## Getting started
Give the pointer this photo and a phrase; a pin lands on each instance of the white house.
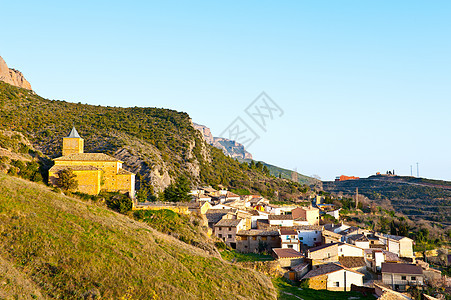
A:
(349, 250)
(289, 239)
(280, 220)
(401, 245)
(359, 240)
(310, 235)
(333, 277)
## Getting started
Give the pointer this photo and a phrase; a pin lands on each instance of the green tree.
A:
(67, 180)
(178, 192)
(119, 202)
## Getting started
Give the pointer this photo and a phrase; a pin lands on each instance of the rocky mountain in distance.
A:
(12, 76)
(229, 147)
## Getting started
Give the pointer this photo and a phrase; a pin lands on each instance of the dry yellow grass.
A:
(65, 248)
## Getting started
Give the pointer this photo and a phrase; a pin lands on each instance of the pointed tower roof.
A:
(73, 133)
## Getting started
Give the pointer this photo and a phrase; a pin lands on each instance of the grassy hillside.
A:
(159, 144)
(53, 246)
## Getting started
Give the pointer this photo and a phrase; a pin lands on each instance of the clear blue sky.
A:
(365, 85)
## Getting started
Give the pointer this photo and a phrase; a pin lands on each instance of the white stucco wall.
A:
(339, 276)
(348, 250)
(309, 237)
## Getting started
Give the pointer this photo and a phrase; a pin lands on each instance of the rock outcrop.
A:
(229, 147)
(12, 76)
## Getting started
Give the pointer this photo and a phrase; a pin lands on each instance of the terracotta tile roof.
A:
(352, 261)
(322, 270)
(308, 227)
(87, 157)
(287, 253)
(358, 237)
(280, 217)
(215, 215)
(58, 168)
(300, 267)
(228, 223)
(288, 231)
(401, 268)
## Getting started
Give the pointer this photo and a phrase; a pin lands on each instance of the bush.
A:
(119, 202)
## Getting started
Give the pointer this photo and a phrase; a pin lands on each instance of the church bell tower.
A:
(72, 143)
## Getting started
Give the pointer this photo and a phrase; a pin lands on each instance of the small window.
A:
(220, 228)
(301, 238)
(230, 228)
(273, 238)
(336, 284)
(413, 278)
(264, 238)
(290, 246)
(254, 238)
(229, 236)
(328, 256)
(314, 239)
(219, 235)
(403, 278)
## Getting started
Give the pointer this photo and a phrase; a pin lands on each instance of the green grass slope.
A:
(53, 246)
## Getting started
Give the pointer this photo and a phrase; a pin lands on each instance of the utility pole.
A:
(356, 198)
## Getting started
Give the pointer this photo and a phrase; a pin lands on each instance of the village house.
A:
(280, 220)
(287, 257)
(333, 277)
(254, 240)
(323, 254)
(226, 229)
(401, 245)
(375, 257)
(215, 215)
(93, 171)
(359, 240)
(345, 249)
(328, 236)
(309, 235)
(199, 207)
(308, 214)
(289, 238)
(401, 275)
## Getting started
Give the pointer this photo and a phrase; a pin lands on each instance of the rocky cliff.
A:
(229, 147)
(12, 76)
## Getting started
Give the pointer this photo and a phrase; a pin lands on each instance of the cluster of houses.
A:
(332, 257)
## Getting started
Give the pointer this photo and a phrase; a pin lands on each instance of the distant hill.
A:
(158, 144)
(53, 246)
(419, 198)
(285, 173)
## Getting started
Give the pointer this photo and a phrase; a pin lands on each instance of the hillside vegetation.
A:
(418, 198)
(159, 144)
(53, 246)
